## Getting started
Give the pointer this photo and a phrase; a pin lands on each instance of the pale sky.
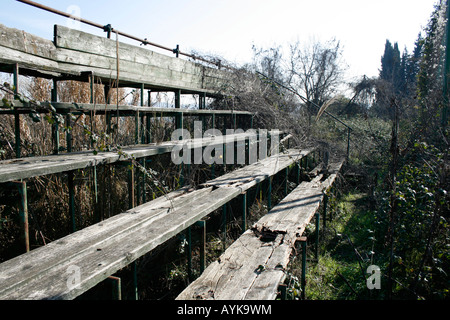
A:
(230, 27)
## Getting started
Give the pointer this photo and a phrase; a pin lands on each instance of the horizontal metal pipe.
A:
(103, 27)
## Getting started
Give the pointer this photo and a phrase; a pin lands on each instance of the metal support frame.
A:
(189, 252)
(23, 211)
(269, 194)
(317, 234)
(202, 225)
(303, 242)
(325, 208)
(286, 182)
(69, 133)
(135, 281)
(131, 178)
(70, 184)
(224, 226)
(55, 126)
(244, 211)
(16, 73)
(116, 287)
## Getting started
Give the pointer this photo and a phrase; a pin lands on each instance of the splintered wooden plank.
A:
(22, 269)
(241, 271)
(234, 266)
(295, 211)
(102, 259)
(250, 175)
(254, 265)
(25, 168)
(265, 286)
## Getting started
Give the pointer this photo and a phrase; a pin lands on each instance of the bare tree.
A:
(315, 70)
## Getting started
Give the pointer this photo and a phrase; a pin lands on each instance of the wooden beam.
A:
(253, 266)
(74, 52)
(17, 169)
(103, 249)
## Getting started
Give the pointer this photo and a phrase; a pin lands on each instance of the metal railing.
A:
(109, 29)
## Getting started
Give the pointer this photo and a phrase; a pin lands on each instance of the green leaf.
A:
(35, 117)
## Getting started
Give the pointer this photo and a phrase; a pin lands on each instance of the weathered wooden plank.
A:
(25, 168)
(24, 42)
(25, 268)
(104, 259)
(253, 174)
(27, 60)
(295, 211)
(254, 266)
(64, 107)
(77, 52)
(265, 286)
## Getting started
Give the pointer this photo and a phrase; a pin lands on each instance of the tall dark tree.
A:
(391, 66)
(413, 66)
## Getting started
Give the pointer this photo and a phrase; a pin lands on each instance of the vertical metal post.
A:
(55, 125)
(317, 234)
(286, 181)
(116, 287)
(189, 252)
(179, 116)
(348, 143)
(244, 212)
(131, 202)
(283, 291)
(298, 170)
(69, 133)
(99, 217)
(144, 178)
(17, 133)
(16, 73)
(23, 211)
(224, 225)
(202, 224)
(177, 51)
(135, 281)
(303, 241)
(325, 205)
(92, 88)
(70, 176)
(16, 113)
(137, 122)
(269, 194)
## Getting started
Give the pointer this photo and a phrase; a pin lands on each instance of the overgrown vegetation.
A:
(392, 210)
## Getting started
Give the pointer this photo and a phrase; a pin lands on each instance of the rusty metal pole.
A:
(23, 211)
(16, 113)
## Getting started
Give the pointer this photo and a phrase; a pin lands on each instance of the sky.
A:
(229, 28)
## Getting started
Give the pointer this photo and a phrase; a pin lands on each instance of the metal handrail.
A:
(108, 28)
